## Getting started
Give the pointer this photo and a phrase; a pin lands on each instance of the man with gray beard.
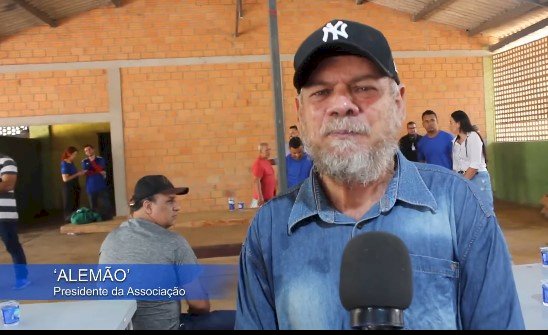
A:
(350, 107)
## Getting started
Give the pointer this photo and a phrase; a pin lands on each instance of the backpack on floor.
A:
(84, 215)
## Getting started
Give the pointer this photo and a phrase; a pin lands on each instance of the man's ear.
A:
(147, 205)
(298, 106)
(400, 102)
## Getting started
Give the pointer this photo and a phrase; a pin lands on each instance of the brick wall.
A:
(176, 124)
(53, 93)
(200, 124)
(443, 85)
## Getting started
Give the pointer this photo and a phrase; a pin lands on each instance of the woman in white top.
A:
(469, 154)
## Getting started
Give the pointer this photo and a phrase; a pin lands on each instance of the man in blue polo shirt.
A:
(96, 185)
(297, 163)
(436, 147)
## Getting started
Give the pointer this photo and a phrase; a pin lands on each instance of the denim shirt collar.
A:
(406, 185)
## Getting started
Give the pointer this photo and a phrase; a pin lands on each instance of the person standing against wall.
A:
(469, 155)
(71, 185)
(297, 163)
(96, 184)
(435, 146)
(264, 178)
(293, 132)
(408, 143)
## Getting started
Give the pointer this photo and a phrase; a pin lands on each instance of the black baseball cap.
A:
(342, 37)
(153, 184)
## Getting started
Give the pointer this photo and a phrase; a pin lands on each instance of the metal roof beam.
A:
(538, 3)
(522, 33)
(36, 12)
(431, 8)
(239, 15)
(503, 18)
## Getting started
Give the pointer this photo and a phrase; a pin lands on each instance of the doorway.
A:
(105, 149)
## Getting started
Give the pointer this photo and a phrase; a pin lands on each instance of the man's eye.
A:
(320, 93)
(364, 89)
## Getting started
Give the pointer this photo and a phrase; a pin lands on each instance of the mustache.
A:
(345, 124)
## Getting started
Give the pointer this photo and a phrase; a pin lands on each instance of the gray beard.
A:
(347, 162)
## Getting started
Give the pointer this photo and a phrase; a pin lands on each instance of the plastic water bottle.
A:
(11, 313)
(231, 204)
(544, 257)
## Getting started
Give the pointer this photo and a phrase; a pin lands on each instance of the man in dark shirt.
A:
(408, 143)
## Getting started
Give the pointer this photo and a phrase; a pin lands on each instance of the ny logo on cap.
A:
(339, 29)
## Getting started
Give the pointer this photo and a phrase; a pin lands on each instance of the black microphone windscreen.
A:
(376, 272)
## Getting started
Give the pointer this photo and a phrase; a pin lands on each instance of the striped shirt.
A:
(8, 207)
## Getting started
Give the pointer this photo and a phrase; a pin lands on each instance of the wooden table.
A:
(184, 220)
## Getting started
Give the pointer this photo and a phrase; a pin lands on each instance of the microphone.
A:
(376, 282)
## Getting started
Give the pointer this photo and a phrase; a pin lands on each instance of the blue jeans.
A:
(483, 181)
(8, 232)
(215, 320)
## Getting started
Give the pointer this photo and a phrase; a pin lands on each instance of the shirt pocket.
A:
(435, 288)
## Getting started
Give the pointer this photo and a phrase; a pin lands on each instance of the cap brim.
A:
(176, 190)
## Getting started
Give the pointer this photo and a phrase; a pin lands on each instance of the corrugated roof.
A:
(499, 19)
(469, 14)
(14, 19)
(60, 9)
(18, 15)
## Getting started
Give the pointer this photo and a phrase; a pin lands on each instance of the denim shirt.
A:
(462, 277)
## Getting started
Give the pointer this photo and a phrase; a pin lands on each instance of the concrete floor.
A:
(524, 227)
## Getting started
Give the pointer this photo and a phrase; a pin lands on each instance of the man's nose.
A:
(342, 104)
